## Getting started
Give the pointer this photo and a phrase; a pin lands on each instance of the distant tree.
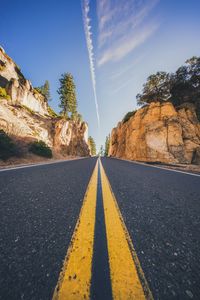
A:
(45, 90)
(67, 92)
(101, 151)
(107, 145)
(92, 145)
(157, 88)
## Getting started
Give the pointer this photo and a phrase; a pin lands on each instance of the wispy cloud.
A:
(88, 35)
(127, 69)
(123, 26)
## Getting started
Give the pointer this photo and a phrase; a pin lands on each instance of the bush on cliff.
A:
(128, 116)
(7, 146)
(52, 113)
(3, 93)
(41, 149)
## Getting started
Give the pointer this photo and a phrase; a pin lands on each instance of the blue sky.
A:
(130, 40)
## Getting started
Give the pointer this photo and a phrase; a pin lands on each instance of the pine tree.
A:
(67, 92)
(92, 145)
(101, 151)
(46, 90)
(107, 145)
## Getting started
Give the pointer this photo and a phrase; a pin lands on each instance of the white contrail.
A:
(88, 35)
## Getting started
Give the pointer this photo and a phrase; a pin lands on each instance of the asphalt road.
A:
(39, 207)
(161, 210)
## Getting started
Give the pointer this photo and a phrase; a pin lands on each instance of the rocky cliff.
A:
(26, 116)
(159, 133)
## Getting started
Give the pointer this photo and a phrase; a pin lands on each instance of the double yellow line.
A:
(127, 278)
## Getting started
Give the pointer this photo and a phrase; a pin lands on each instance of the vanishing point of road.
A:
(99, 229)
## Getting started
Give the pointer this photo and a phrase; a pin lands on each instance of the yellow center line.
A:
(75, 278)
(127, 278)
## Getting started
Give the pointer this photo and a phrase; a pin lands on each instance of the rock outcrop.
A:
(25, 115)
(159, 133)
(20, 89)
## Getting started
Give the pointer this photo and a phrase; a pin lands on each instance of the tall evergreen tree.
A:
(67, 92)
(46, 90)
(101, 151)
(107, 145)
(92, 145)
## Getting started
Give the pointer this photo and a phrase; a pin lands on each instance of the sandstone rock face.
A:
(20, 89)
(25, 116)
(19, 122)
(159, 133)
(70, 138)
(65, 137)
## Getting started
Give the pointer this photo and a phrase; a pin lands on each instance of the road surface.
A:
(87, 229)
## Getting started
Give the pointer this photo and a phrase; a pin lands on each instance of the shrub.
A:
(7, 146)
(2, 65)
(41, 149)
(28, 109)
(3, 93)
(128, 116)
(52, 113)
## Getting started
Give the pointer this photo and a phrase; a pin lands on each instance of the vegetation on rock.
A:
(2, 65)
(128, 116)
(52, 113)
(179, 87)
(44, 90)
(3, 93)
(41, 149)
(28, 109)
(7, 146)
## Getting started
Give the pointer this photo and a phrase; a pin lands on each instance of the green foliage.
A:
(2, 65)
(157, 88)
(107, 145)
(186, 84)
(3, 93)
(178, 88)
(52, 113)
(92, 145)
(79, 118)
(28, 109)
(44, 90)
(128, 116)
(41, 149)
(67, 92)
(7, 146)
(101, 151)
(18, 67)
